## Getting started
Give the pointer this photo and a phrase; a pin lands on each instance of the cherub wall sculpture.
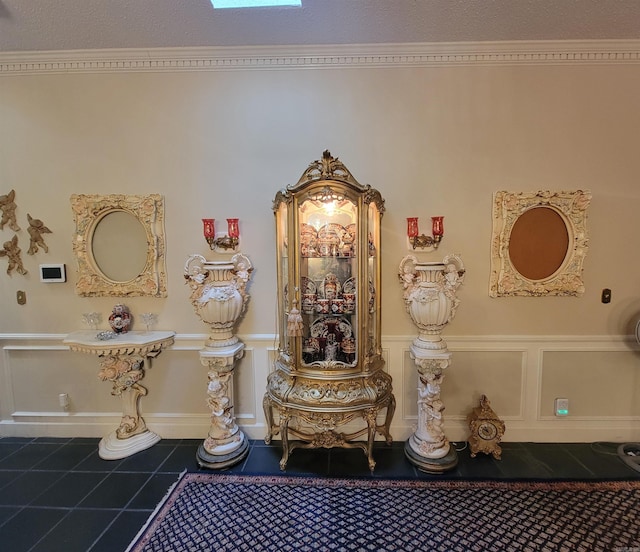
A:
(36, 229)
(12, 252)
(8, 208)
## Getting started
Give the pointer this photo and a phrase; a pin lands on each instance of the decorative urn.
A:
(219, 294)
(430, 296)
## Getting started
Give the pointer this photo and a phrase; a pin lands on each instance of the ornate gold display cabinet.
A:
(329, 370)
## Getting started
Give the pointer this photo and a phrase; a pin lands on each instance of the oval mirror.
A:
(119, 246)
(539, 243)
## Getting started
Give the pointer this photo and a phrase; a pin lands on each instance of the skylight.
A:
(219, 4)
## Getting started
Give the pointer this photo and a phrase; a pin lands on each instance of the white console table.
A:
(122, 363)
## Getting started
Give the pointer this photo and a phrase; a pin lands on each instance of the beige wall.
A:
(434, 139)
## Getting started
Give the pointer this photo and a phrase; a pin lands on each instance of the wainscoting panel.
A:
(521, 375)
(40, 373)
(500, 375)
(598, 384)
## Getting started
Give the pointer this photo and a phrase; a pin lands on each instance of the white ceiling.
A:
(41, 25)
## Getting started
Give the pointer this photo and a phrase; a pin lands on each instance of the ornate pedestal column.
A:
(219, 298)
(122, 363)
(430, 299)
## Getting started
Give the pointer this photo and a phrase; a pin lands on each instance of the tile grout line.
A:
(70, 509)
(125, 508)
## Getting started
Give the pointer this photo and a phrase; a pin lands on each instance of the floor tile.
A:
(558, 462)
(28, 456)
(183, 457)
(346, 463)
(93, 462)
(115, 490)
(7, 449)
(7, 512)
(28, 526)
(391, 462)
(86, 441)
(263, 459)
(27, 487)
(601, 459)
(482, 466)
(70, 490)
(59, 440)
(66, 457)
(21, 440)
(309, 462)
(153, 491)
(77, 531)
(122, 531)
(7, 477)
(147, 460)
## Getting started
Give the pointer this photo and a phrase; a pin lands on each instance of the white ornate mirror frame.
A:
(566, 279)
(88, 212)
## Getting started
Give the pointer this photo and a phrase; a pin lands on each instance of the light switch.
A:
(21, 297)
(606, 295)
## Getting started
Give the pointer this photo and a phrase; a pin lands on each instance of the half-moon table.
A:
(122, 363)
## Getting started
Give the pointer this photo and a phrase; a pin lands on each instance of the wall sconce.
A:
(226, 241)
(422, 241)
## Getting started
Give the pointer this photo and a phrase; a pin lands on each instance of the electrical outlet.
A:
(63, 400)
(561, 407)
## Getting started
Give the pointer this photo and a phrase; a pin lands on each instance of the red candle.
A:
(209, 230)
(437, 226)
(412, 227)
(234, 231)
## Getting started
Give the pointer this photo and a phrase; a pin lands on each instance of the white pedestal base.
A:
(113, 448)
(225, 444)
(428, 448)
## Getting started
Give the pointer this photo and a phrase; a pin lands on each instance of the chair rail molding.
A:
(521, 374)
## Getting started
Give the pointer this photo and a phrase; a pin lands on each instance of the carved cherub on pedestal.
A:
(36, 229)
(12, 252)
(8, 208)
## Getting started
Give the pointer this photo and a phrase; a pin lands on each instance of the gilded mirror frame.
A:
(88, 211)
(505, 280)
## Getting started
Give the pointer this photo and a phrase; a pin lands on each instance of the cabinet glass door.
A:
(328, 270)
(373, 275)
(282, 254)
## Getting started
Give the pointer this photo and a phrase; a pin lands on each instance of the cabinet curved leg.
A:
(371, 416)
(391, 408)
(268, 414)
(284, 435)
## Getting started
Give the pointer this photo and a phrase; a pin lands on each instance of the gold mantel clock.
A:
(487, 430)
(328, 387)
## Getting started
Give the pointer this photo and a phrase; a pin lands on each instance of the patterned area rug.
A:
(213, 512)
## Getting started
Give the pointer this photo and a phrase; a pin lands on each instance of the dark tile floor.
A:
(58, 495)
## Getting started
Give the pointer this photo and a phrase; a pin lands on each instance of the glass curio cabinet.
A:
(328, 387)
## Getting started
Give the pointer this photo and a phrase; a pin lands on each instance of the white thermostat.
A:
(52, 273)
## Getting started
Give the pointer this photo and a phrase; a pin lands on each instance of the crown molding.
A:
(317, 57)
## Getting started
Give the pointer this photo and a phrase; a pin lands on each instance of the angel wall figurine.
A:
(8, 208)
(36, 229)
(12, 252)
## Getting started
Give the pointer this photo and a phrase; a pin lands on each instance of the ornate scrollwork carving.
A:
(88, 211)
(329, 168)
(505, 280)
(219, 294)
